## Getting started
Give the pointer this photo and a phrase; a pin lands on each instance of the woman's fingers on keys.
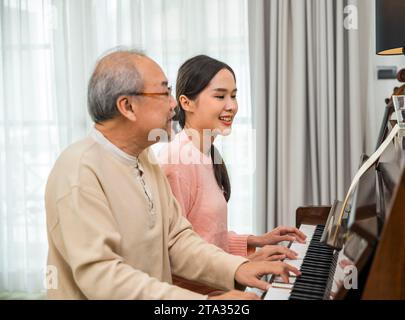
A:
(276, 257)
(280, 250)
(294, 232)
(301, 237)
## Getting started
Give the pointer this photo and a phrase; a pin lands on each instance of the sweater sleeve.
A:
(88, 239)
(195, 259)
(237, 244)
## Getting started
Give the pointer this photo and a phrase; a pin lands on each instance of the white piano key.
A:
(300, 248)
(308, 227)
(295, 263)
(277, 294)
(308, 230)
(278, 279)
(280, 290)
(284, 243)
(258, 292)
(282, 285)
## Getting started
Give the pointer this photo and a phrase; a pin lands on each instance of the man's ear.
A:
(187, 104)
(126, 108)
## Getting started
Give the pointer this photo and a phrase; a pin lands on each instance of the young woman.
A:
(207, 105)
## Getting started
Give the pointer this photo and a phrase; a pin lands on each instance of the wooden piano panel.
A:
(386, 279)
(312, 215)
(387, 275)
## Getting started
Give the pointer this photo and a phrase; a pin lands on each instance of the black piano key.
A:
(313, 255)
(313, 268)
(320, 249)
(301, 298)
(318, 273)
(310, 282)
(320, 246)
(310, 286)
(319, 258)
(306, 296)
(309, 292)
(308, 278)
(298, 296)
(318, 262)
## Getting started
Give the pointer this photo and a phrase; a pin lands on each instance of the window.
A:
(48, 50)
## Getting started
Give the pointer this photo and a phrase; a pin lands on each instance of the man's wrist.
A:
(237, 285)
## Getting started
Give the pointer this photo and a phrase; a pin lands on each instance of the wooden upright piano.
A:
(370, 264)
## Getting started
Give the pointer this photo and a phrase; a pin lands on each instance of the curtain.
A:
(310, 101)
(48, 49)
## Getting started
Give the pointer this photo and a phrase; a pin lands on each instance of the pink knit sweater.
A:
(191, 176)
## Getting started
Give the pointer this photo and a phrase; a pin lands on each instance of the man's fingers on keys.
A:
(285, 274)
(260, 284)
(292, 269)
(285, 278)
(252, 296)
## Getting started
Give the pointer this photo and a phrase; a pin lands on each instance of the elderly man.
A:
(115, 230)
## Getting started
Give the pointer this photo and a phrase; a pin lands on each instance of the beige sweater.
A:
(106, 243)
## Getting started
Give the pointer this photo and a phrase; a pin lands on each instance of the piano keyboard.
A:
(317, 263)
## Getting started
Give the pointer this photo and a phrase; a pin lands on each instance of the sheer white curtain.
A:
(47, 51)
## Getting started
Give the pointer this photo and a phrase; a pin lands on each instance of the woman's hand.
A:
(276, 236)
(272, 253)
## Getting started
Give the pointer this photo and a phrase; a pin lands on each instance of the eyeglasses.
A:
(168, 93)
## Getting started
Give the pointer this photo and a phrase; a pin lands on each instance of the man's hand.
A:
(276, 236)
(272, 253)
(249, 273)
(235, 295)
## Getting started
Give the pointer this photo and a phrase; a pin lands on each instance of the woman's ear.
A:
(186, 103)
(126, 108)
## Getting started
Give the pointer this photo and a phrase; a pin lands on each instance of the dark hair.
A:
(193, 77)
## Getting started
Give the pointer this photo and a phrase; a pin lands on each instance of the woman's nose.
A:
(231, 106)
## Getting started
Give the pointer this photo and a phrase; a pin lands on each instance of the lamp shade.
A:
(390, 27)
